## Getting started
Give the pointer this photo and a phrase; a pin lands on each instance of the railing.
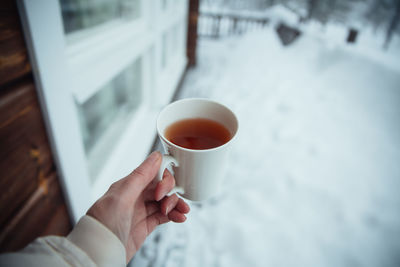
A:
(217, 25)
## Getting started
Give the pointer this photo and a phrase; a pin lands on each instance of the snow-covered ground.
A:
(314, 177)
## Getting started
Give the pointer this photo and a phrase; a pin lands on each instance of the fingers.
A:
(174, 208)
(176, 216)
(173, 202)
(182, 206)
(164, 186)
(155, 220)
(156, 212)
(158, 218)
(142, 176)
(151, 208)
(169, 203)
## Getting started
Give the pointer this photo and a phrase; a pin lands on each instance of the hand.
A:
(133, 206)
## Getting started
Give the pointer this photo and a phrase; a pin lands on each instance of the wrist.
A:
(99, 243)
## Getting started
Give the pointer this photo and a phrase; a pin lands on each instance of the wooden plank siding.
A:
(31, 200)
(14, 61)
(191, 44)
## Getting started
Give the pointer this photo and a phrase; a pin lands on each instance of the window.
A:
(164, 51)
(104, 69)
(105, 115)
(175, 39)
(164, 4)
(83, 14)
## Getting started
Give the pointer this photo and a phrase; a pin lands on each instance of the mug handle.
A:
(166, 161)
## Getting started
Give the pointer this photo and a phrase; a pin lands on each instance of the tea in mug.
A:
(197, 133)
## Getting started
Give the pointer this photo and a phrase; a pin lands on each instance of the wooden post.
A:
(192, 32)
(392, 26)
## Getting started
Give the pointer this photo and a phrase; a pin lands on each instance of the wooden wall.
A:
(191, 43)
(31, 200)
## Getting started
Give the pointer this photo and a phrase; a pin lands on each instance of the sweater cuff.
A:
(99, 243)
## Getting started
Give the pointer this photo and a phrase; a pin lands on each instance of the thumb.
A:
(142, 176)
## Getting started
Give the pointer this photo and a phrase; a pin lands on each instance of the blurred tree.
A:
(392, 25)
(340, 10)
(332, 10)
(311, 4)
(378, 12)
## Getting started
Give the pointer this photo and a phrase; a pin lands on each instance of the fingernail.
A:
(167, 210)
(161, 196)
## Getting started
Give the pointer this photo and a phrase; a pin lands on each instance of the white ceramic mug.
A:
(198, 173)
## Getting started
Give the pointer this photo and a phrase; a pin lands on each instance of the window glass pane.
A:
(164, 51)
(164, 4)
(182, 39)
(83, 14)
(104, 116)
(175, 39)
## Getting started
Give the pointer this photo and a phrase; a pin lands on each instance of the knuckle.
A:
(113, 186)
(138, 172)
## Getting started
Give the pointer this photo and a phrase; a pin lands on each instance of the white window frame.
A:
(66, 71)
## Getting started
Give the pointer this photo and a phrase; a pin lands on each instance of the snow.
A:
(279, 13)
(369, 44)
(314, 174)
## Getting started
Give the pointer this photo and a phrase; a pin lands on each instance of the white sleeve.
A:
(89, 244)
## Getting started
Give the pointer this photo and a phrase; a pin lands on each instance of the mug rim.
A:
(196, 150)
